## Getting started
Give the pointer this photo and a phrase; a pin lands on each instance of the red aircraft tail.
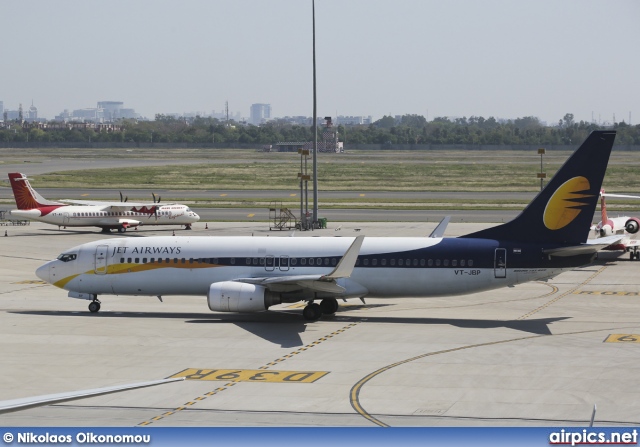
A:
(26, 197)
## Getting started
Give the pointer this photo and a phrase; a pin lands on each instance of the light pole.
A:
(315, 123)
(541, 175)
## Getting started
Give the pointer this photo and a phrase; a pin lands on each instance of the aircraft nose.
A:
(43, 272)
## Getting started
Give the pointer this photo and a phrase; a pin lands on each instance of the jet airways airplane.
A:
(250, 274)
(84, 213)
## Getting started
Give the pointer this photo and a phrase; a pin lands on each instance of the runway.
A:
(539, 354)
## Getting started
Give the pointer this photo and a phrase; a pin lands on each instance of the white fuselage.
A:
(386, 267)
(99, 216)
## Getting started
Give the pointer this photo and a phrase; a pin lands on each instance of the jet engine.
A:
(606, 230)
(230, 296)
(632, 225)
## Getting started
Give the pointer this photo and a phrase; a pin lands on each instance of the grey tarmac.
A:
(536, 354)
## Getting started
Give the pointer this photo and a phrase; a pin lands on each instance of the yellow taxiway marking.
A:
(292, 195)
(222, 195)
(607, 293)
(250, 215)
(622, 338)
(251, 375)
(30, 281)
(362, 195)
(259, 375)
(84, 195)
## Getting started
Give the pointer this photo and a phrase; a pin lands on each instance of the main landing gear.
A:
(313, 311)
(94, 306)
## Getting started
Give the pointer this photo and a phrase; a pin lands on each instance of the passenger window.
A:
(430, 262)
(400, 262)
(311, 261)
(303, 261)
(366, 262)
(137, 260)
(383, 262)
(415, 262)
(462, 262)
(129, 260)
(374, 262)
(454, 263)
(393, 262)
(446, 263)
(438, 262)
(470, 263)
(121, 260)
(422, 262)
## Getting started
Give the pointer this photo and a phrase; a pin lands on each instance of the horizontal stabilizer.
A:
(591, 246)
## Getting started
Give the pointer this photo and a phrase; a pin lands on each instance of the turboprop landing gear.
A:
(187, 227)
(312, 312)
(94, 306)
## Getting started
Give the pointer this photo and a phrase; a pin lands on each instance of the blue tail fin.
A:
(562, 212)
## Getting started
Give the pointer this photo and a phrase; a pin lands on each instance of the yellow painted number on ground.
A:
(251, 375)
(623, 338)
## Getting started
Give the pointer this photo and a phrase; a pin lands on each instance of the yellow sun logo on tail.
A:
(565, 204)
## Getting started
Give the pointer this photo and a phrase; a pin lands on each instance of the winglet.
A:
(440, 229)
(348, 261)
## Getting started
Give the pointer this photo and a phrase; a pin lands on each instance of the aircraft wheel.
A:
(94, 307)
(312, 312)
(329, 306)
(122, 230)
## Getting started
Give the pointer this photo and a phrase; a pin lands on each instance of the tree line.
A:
(387, 131)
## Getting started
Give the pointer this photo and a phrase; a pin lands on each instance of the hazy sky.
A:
(434, 58)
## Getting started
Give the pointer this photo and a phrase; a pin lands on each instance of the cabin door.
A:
(500, 263)
(101, 259)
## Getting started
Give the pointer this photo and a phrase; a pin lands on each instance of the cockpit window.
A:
(66, 257)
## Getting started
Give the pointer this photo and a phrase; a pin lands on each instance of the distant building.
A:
(260, 113)
(106, 112)
(1, 108)
(354, 120)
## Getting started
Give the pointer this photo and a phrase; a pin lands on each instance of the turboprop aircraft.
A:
(250, 274)
(84, 213)
(625, 226)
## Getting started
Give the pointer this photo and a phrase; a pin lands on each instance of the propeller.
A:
(125, 198)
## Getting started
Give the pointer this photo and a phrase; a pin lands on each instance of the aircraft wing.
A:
(623, 196)
(118, 205)
(317, 283)
(591, 246)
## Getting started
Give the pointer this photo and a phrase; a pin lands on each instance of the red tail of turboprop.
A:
(26, 197)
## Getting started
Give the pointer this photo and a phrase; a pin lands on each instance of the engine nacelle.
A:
(230, 296)
(632, 225)
(606, 230)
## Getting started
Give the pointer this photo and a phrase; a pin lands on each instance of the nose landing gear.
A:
(94, 306)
